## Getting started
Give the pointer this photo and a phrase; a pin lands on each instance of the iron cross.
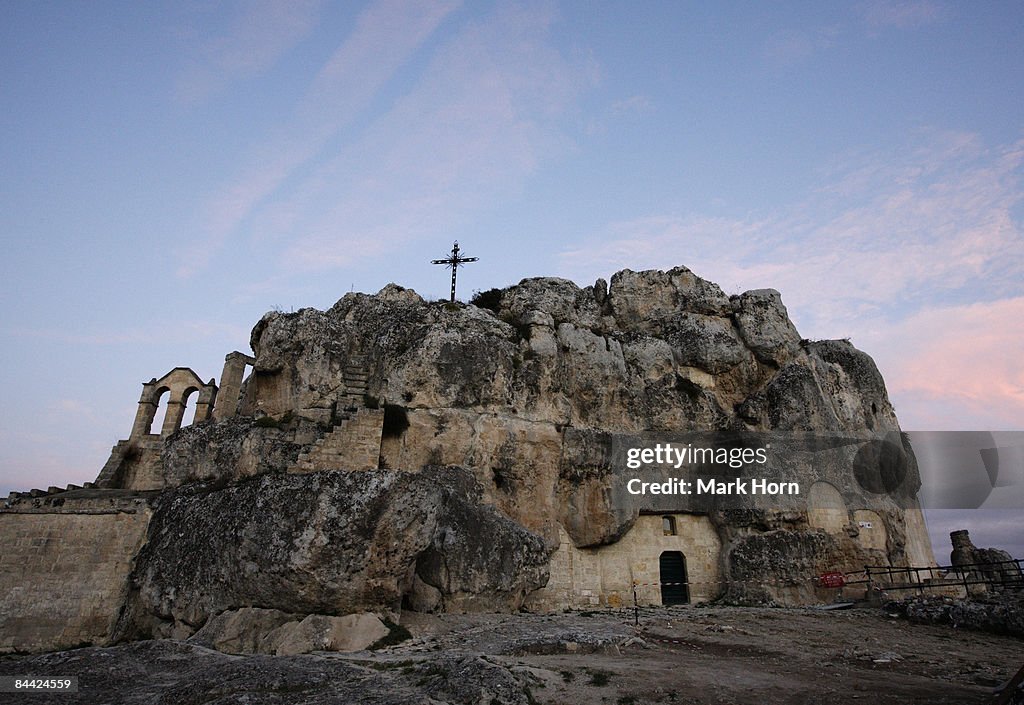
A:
(453, 261)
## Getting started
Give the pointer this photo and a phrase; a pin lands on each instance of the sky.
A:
(171, 171)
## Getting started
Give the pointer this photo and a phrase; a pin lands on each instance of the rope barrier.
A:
(789, 583)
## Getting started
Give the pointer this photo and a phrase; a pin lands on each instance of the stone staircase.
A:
(354, 376)
(354, 444)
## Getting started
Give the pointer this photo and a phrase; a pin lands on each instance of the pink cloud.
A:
(869, 255)
(953, 367)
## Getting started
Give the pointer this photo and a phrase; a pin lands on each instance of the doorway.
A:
(674, 590)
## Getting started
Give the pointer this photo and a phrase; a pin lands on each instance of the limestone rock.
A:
(424, 597)
(705, 342)
(639, 298)
(252, 630)
(240, 631)
(329, 543)
(524, 402)
(559, 298)
(231, 449)
(496, 391)
(394, 453)
(764, 324)
(317, 632)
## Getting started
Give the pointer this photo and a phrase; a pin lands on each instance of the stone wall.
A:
(353, 446)
(604, 576)
(64, 570)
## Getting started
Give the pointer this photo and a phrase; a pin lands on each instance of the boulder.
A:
(764, 325)
(640, 299)
(318, 632)
(327, 543)
(241, 631)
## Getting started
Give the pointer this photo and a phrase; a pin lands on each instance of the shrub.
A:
(490, 299)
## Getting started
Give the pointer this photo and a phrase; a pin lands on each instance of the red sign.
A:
(833, 579)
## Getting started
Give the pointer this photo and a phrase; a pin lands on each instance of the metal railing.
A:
(996, 574)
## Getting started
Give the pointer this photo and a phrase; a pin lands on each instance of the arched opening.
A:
(674, 587)
(826, 508)
(161, 411)
(189, 411)
(668, 525)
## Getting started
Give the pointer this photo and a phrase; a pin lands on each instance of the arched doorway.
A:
(674, 590)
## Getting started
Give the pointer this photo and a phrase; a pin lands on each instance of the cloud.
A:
(946, 364)
(990, 528)
(184, 331)
(386, 34)
(901, 14)
(633, 105)
(790, 46)
(488, 108)
(260, 32)
(72, 406)
(916, 254)
(932, 221)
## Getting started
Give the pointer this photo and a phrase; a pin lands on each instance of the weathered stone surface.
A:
(233, 449)
(560, 299)
(318, 489)
(764, 324)
(241, 631)
(514, 393)
(773, 565)
(179, 673)
(328, 543)
(999, 612)
(643, 298)
(252, 630)
(64, 567)
(318, 632)
(706, 342)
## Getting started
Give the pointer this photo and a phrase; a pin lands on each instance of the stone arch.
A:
(159, 411)
(668, 525)
(871, 527)
(188, 413)
(179, 385)
(826, 508)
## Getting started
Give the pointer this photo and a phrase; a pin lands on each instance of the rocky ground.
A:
(676, 655)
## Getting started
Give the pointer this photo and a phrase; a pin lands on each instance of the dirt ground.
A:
(693, 655)
(745, 655)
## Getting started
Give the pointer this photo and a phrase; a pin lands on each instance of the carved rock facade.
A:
(393, 453)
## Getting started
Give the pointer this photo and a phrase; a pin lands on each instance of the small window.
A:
(668, 526)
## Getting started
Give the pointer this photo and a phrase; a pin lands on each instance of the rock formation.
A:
(394, 453)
